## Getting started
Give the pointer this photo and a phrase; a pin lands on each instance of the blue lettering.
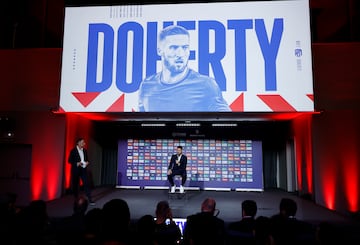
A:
(269, 49)
(167, 23)
(181, 225)
(151, 48)
(240, 27)
(121, 63)
(208, 56)
(92, 85)
(214, 59)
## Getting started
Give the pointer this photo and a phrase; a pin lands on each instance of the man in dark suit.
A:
(78, 159)
(286, 229)
(205, 228)
(177, 166)
(247, 224)
(242, 232)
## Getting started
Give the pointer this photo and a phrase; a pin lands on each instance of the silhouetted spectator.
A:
(263, 231)
(145, 230)
(166, 230)
(328, 234)
(7, 217)
(243, 231)
(286, 229)
(247, 223)
(71, 229)
(92, 226)
(204, 227)
(116, 219)
(33, 226)
(80, 206)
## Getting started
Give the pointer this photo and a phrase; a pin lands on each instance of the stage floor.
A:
(143, 202)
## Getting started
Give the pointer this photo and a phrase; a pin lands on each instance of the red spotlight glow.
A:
(351, 178)
(329, 195)
(36, 180)
(299, 169)
(46, 166)
(328, 182)
(53, 181)
(303, 149)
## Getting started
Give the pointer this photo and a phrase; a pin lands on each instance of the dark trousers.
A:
(77, 174)
(181, 172)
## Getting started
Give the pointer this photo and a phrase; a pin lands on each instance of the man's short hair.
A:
(288, 206)
(78, 140)
(179, 147)
(172, 30)
(116, 216)
(249, 207)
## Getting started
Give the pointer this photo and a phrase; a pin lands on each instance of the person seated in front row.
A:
(205, 227)
(286, 229)
(242, 232)
(166, 231)
(247, 223)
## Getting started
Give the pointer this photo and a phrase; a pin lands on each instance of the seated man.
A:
(286, 229)
(177, 166)
(247, 223)
(205, 227)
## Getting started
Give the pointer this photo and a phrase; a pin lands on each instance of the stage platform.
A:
(143, 202)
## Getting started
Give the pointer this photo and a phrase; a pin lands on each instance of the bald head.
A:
(208, 205)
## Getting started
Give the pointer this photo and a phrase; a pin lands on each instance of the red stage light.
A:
(302, 130)
(351, 178)
(329, 194)
(36, 180)
(328, 183)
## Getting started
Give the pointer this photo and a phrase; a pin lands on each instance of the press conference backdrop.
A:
(257, 53)
(235, 164)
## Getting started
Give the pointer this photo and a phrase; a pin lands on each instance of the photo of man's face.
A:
(174, 51)
(179, 150)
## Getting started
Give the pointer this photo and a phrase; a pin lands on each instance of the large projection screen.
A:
(231, 164)
(240, 57)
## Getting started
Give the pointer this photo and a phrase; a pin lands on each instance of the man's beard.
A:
(174, 68)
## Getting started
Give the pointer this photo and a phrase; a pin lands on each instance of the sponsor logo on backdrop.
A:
(206, 167)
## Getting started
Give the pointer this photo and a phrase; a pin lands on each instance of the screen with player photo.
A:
(235, 164)
(218, 57)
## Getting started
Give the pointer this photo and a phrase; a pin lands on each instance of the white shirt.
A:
(81, 153)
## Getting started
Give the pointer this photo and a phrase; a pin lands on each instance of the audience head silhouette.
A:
(162, 210)
(208, 206)
(80, 205)
(288, 207)
(116, 219)
(249, 208)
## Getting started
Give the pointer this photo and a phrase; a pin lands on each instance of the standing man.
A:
(177, 87)
(177, 166)
(78, 159)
